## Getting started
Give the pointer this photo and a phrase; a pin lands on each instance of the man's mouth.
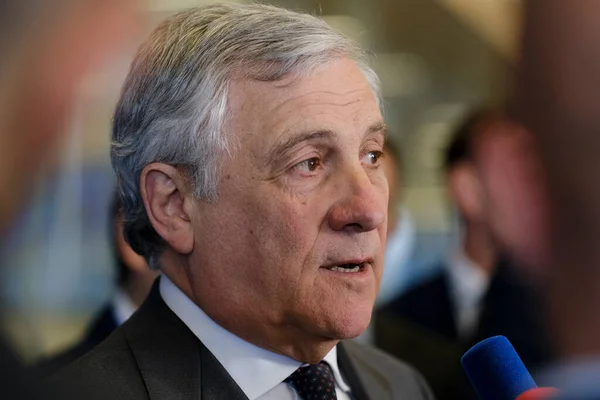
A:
(347, 267)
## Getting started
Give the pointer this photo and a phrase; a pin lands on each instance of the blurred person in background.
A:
(134, 281)
(247, 144)
(558, 100)
(403, 269)
(400, 245)
(477, 293)
(47, 50)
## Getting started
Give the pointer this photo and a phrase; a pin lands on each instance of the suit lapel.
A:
(172, 361)
(360, 377)
(216, 382)
(443, 309)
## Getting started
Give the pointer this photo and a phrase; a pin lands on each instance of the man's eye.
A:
(373, 157)
(310, 165)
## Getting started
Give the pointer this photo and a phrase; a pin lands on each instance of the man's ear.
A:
(168, 200)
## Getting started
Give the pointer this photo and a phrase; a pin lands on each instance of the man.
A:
(246, 145)
(134, 281)
(477, 293)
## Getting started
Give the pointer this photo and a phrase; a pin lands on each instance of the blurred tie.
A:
(314, 381)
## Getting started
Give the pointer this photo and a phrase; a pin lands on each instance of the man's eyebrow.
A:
(378, 127)
(283, 147)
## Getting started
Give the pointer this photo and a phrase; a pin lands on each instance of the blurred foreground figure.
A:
(477, 293)
(46, 52)
(133, 285)
(247, 144)
(558, 99)
(52, 50)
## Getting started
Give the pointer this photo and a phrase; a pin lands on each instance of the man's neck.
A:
(284, 339)
(296, 344)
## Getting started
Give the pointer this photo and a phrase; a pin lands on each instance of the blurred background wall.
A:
(436, 58)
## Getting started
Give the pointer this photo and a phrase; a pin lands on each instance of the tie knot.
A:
(314, 381)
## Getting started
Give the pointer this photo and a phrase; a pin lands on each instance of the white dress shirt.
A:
(258, 372)
(468, 285)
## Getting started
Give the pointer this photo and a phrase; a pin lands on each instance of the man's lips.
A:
(349, 266)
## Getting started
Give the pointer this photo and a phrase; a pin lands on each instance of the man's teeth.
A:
(341, 269)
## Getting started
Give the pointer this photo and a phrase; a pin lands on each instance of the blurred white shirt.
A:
(468, 286)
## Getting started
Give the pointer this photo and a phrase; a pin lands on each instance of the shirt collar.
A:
(254, 369)
(469, 283)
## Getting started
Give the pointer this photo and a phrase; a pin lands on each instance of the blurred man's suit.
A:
(155, 356)
(134, 280)
(421, 326)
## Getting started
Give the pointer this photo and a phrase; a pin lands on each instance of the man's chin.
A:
(350, 325)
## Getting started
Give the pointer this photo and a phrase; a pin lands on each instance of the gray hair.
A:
(174, 100)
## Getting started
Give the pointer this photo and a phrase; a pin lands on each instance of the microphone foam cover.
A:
(496, 370)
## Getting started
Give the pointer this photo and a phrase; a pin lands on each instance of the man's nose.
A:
(363, 205)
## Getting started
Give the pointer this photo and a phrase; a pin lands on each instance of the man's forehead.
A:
(301, 102)
(337, 78)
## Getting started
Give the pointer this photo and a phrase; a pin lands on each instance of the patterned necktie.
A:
(314, 382)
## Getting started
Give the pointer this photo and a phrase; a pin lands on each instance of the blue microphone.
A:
(496, 370)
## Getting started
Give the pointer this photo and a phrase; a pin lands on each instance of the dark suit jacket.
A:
(101, 327)
(420, 327)
(155, 356)
(16, 379)
(19, 383)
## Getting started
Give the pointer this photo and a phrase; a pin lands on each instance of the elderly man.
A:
(247, 145)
